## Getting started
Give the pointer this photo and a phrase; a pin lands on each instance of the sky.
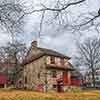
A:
(61, 40)
(53, 36)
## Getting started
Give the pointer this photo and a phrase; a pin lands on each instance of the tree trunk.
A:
(93, 76)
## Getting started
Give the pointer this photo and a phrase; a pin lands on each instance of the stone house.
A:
(44, 70)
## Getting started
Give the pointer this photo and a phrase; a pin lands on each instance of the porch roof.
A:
(59, 67)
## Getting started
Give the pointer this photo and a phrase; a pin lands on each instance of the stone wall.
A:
(35, 73)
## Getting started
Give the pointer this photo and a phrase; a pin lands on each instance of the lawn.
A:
(29, 95)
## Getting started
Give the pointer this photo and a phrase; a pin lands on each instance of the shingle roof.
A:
(26, 61)
(53, 53)
(75, 73)
(43, 52)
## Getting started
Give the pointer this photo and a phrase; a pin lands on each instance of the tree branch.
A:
(92, 19)
(42, 18)
(56, 9)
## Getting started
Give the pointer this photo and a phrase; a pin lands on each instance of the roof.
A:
(76, 73)
(53, 53)
(27, 61)
(43, 52)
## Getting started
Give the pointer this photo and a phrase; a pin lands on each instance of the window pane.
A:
(25, 80)
(62, 61)
(52, 59)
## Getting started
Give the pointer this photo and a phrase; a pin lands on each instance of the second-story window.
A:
(62, 61)
(52, 60)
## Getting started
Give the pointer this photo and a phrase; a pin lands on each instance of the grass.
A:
(30, 95)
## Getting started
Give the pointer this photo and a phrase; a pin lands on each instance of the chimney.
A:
(34, 44)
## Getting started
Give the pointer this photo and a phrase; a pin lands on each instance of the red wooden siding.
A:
(75, 82)
(3, 79)
(65, 78)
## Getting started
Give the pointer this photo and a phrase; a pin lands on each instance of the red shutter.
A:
(65, 78)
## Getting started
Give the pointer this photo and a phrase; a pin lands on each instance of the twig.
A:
(56, 9)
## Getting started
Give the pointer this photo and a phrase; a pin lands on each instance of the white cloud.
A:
(62, 40)
(4, 38)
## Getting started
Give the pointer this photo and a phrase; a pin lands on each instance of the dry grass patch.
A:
(30, 95)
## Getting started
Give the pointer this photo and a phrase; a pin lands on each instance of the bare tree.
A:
(12, 15)
(13, 55)
(89, 55)
(60, 11)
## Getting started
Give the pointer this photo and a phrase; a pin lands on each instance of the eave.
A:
(27, 61)
(63, 68)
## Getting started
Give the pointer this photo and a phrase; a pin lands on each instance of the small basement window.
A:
(54, 85)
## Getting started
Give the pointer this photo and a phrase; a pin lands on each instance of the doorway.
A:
(60, 86)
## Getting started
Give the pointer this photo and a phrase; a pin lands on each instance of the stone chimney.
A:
(34, 44)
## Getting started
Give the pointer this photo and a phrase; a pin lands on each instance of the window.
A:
(54, 74)
(25, 80)
(54, 85)
(38, 75)
(97, 73)
(62, 61)
(52, 60)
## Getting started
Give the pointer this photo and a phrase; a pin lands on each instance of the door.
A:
(59, 86)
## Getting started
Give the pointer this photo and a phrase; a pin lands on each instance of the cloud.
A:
(4, 38)
(51, 36)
